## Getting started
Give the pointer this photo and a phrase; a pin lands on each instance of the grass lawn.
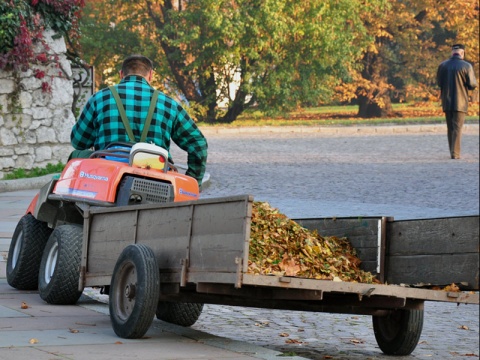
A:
(408, 113)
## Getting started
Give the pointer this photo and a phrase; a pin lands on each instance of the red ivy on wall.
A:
(22, 25)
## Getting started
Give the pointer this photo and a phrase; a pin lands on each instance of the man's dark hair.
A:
(137, 64)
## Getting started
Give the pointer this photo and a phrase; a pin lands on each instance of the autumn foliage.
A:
(280, 246)
(22, 27)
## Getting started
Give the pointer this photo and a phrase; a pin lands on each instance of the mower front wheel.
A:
(25, 252)
(60, 266)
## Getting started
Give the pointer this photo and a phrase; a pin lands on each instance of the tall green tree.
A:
(223, 56)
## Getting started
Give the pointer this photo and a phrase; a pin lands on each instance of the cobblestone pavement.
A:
(402, 174)
(405, 175)
(449, 332)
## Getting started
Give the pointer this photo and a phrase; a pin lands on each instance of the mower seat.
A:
(149, 156)
(116, 151)
(121, 150)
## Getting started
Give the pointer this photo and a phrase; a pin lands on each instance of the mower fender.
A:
(40, 207)
(32, 206)
(186, 189)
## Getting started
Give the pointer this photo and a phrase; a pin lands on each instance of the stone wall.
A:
(35, 124)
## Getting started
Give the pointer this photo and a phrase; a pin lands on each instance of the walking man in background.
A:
(455, 77)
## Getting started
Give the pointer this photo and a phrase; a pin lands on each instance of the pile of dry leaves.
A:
(280, 246)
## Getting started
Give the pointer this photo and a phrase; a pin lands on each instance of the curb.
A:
(24, 184)
(339, 130)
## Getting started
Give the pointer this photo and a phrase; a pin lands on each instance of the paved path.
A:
(404, 172)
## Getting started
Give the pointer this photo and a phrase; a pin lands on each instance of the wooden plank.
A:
(367, 253)
(219, 236)
(166, 232)
(433, 236)
(434, 251)
(362, 233)
(359, 289)
(370, 266)
(439, 270)
(109, 235)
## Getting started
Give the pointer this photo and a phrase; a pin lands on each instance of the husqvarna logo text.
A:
(93, 177)
(183, 192)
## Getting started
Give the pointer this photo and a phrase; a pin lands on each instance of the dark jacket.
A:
(455, 77)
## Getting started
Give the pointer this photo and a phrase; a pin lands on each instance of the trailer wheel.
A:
(134, 291)
(25, 252)
(399, 332)
(60, 266)
(183, 314)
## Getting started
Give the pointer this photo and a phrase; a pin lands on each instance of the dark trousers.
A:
(455, 120)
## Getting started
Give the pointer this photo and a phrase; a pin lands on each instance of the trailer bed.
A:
(202, 251)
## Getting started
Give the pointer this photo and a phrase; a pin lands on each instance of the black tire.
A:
(25, 252)
(60, 267)
(399, 332)
(183, 314)
(134, 291)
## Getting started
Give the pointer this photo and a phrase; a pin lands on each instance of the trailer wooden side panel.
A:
(365, 235)
(220, 235)
(434, 251)
(451, 235)
(192, 241)
(425, 251)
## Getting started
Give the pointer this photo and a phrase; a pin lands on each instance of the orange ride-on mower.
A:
(46, 247)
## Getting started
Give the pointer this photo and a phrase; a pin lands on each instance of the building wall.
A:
(35, 124)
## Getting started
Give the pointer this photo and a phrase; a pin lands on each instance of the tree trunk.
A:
(232, 113)
(370, 109)
(239, 104)
(374, 100)
(208, 88)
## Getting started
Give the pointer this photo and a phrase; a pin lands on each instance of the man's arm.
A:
(82, 135)
(439, 76)
(471, 79)
(189, 138)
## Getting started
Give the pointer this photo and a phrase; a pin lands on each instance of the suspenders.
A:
(123, 115)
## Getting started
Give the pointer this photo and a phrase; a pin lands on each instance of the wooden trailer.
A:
(170, 259)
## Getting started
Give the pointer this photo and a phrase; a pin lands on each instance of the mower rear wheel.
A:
(60, 266)
(134, 291)
(25, 252)
(183, 314)
(398, 333)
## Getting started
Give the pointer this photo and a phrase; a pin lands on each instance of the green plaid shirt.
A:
(100, 123)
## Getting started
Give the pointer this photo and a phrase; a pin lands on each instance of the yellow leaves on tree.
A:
(280, 246)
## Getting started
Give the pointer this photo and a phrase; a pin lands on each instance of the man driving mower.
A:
(133, 111)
